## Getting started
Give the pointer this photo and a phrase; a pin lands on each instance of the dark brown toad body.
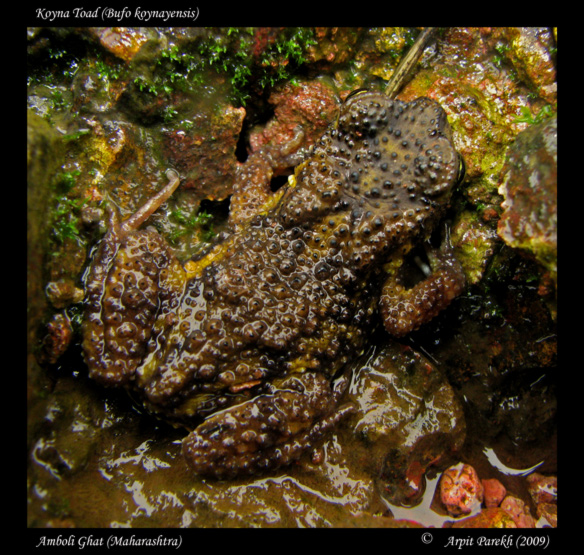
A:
(254, 336)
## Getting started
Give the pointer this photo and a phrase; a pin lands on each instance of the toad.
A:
(247, 346)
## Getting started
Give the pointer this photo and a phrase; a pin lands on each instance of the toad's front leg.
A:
(405, 310)
(268, 431)
(132, 289)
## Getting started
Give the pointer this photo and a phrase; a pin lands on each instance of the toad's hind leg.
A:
(266, 432)
(405, 310)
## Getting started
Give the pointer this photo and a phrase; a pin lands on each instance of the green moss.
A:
(67, 180)
(288, 49)
(501, 57)
(232, 52)
(65, 217)
(108, 71)
(77, 135)
(200, 223)
(169, 114)
(145, 85)
(53, 66)
(527, 117)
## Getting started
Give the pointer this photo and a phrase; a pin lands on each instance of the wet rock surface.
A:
(529, 219)
(408, 420)
(122, 105)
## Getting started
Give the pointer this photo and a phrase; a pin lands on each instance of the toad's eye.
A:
(355, 93)
(352, 94)
(461, 170)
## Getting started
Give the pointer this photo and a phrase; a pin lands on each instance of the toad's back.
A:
(273, 313)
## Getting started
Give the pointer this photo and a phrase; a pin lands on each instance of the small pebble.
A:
(518, 512)
(461, 491)
(494, 492)
(543, 489)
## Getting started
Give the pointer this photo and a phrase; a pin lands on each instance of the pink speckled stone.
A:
(461, 490)
(518, 512)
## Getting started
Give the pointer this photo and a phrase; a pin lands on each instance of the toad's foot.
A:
(267, 431)
(405, 310)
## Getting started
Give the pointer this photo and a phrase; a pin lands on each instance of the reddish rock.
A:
(544, 493)
(205, 155)
(518, 512)
(57, 338)
(549, 513)
(309, 106)
(543, 489)
(461, 490)
(123, 42)
(494, 492)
